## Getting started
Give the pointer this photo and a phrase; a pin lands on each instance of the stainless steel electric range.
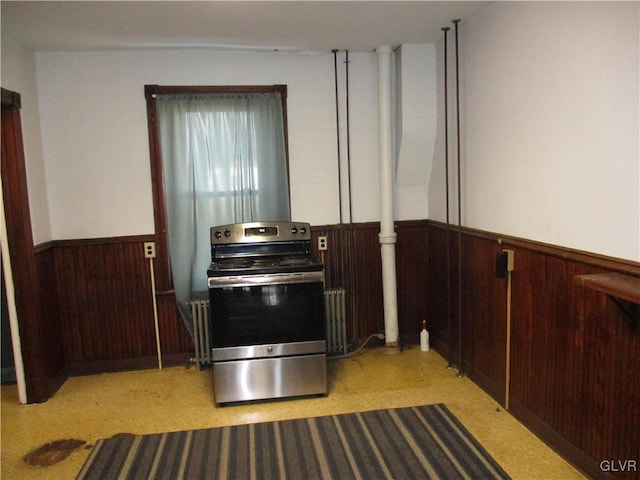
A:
(267, 312)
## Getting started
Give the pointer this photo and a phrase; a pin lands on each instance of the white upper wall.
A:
(550, 125)
(95, 136)
(549, 128)
(417, 119)
(96, 142)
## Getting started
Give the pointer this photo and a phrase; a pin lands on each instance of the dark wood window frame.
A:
(164, 281)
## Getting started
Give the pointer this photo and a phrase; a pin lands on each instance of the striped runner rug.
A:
(402, 443)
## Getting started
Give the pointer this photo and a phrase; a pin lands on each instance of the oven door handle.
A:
(263, 280)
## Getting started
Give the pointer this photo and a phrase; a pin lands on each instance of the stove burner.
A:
(246, 252)
(233, 263)
(261, 265)
(291, 261)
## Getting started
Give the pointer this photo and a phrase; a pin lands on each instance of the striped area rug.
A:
(402, 443)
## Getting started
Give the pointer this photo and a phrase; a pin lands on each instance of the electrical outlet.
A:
(322, 243)
(149, 249)
(504, 263)
(510, 261)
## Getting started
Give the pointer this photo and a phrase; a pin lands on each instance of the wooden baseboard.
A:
(562, 446)
(128, 364)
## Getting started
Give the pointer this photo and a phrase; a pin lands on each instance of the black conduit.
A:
(347, 246)
(348, 132)
(352, 267)
(335, 79)
(461, 372)
(446, 174)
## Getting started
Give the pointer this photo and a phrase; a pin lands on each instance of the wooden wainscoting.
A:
(412, 265)
(353, 261)
(477, 339)
(575, 355)
(101, 294)
(104, 300)
(54, 368)
(575, 359)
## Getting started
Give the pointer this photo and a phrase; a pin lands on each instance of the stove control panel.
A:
(256, 232)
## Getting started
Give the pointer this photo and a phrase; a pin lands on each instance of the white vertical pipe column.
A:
(387, 235)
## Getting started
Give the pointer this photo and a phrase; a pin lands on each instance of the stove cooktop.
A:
(263, 265)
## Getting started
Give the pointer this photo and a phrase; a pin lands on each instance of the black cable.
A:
(461, 372)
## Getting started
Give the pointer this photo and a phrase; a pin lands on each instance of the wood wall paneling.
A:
(412, 266)
(478, 337)
(103, 290)
(367, 282)
(353, 261)
(104, 294)
(51, 320)
(609, 420)
(177, 345)
(440, 278)
(548, 344)
(107, 307)
(484, 300)
(572, 353)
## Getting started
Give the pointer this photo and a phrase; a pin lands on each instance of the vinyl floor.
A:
(153, 401)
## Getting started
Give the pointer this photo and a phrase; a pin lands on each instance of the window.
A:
(218, 156)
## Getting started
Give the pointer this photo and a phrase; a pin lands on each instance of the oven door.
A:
(266, 310)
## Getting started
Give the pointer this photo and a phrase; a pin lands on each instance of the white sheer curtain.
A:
(224, 161)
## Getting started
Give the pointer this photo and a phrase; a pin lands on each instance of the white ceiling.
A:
(308, 26)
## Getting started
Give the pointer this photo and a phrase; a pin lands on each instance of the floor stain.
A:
(52, 452)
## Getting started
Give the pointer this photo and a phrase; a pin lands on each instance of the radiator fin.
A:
(335, 307)
(201, 333)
